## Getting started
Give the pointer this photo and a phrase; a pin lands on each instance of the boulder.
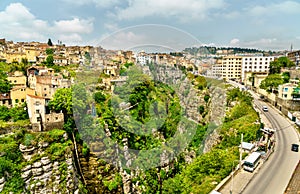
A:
(37, 171)
(26, 168)
(45, 161)
(2, 186)
(47, 168)
(2, 180)
(37, 165)
(26, 175)
(24, 148)
(43, 144)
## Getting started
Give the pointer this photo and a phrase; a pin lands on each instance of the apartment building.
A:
(217, 69)
(255, 64)
(295, 57)
(232, 68)
(143, 58)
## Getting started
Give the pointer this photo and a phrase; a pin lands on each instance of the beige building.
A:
(232, 68)
(40, 117)
(18, 95)
(18, 79)
(5, 100)
(294, 56)
(286, 91)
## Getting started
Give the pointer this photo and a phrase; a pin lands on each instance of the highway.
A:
(274, 175)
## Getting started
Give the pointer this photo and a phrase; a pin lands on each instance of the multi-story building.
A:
(217, 69)
(295, 57)
(287, 91)
(255, 64)
(18, 79)
(40, 116)
(231, 68)
(143, 58)
(18, 95)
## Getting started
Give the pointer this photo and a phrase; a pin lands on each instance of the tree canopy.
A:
(277, 64)
(271, 82)
(5, 85)
(50, 42)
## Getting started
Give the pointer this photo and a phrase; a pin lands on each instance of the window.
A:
(56, 118)
(38, 119)
(23, 100)
(286, 89)
(45, 89)
(17, 101)
(37, 111)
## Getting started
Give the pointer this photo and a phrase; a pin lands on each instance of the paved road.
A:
(275, 174)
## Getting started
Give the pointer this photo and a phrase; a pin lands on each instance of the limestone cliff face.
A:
(46, 176)
(44, 163)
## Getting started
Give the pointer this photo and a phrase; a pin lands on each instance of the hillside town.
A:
(33, 73)
(37, 85)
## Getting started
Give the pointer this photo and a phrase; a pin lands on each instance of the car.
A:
(265, 108)
(295, 147)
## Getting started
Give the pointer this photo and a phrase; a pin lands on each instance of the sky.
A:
(176, 24)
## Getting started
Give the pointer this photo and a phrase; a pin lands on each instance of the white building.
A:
(255, 64)
(143, 58)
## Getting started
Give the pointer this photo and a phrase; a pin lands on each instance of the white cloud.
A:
(71, 38)
(111, 26)
(178, 9)
(284, 7)
(15, 12)
(234, 42)
(98, 3)
(263, 43)
(74, 25)
(18, 23)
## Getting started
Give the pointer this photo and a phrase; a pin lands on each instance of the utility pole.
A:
(241, 152)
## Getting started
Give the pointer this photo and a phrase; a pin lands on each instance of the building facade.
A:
(255, 64)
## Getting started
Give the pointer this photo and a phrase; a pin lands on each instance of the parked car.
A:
(265, 108)
(295, 147)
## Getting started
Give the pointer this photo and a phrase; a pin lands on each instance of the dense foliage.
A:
(13, 114)
(278, 64)
(271, 82)
(5, 85)
(215, 165)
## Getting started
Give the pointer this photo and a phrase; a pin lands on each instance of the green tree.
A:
(50, 42)
(286, 77)
(99, 97)
(206, 98)
(4, 113)
(50, 60)
(49, 51)
(62, 101)
(5, 85)
(271, 82)
(277, 64)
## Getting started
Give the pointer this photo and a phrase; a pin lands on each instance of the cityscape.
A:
(149, 97)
